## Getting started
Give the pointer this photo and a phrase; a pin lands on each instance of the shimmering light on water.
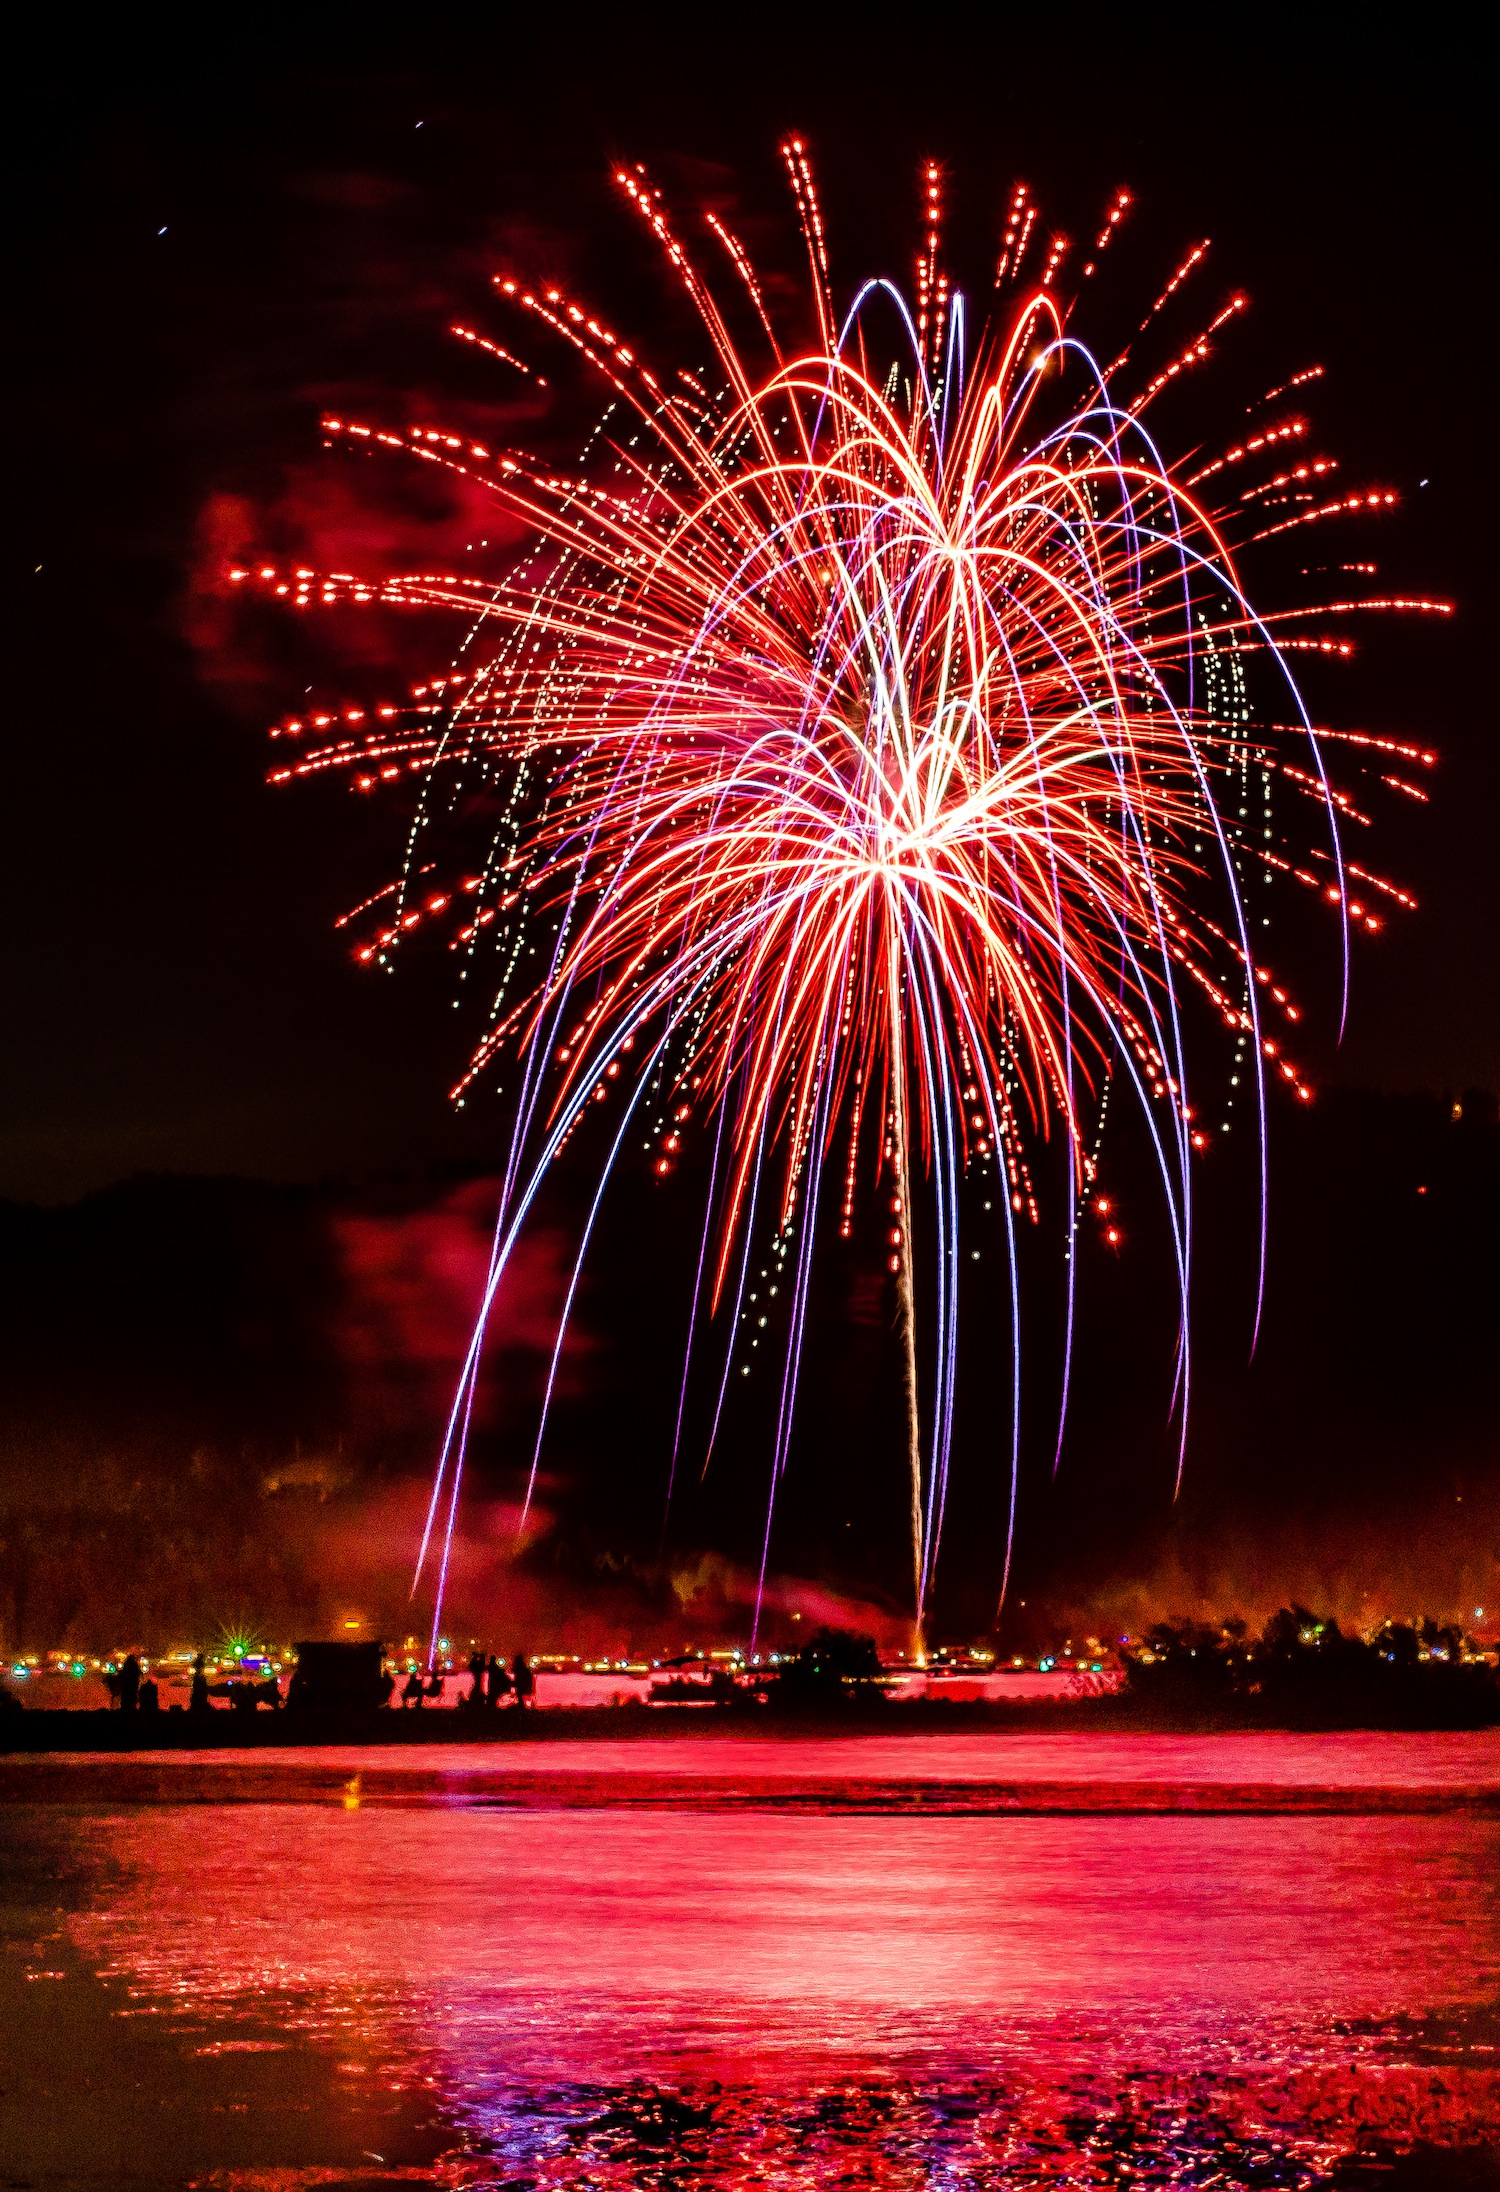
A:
(1131, 1960)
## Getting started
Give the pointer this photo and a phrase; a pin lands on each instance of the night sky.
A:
(215, 241)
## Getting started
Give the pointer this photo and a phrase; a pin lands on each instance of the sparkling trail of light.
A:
(869, 738)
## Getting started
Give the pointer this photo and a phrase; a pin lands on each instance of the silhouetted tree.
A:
(833, 1666)
(1304, 1669)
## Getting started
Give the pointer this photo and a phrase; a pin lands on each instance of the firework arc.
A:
(872, 741)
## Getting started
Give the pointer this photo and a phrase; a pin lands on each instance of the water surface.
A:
(909, 1962)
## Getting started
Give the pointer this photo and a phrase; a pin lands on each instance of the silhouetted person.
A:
(129, 1679)
(198, 1696)
(496, 1682)
(524, 1679)
(149, 1700)
(476, 1669)
(412, 1692)
(434, 1687)
(387, 1687)
(269, 1693)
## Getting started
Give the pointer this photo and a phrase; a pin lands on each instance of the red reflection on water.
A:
(684, 1996)
(526, 1765)
(764, 1918)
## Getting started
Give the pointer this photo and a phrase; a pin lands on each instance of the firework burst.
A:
(870, 727)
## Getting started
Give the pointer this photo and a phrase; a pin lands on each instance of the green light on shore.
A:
(237, 1641)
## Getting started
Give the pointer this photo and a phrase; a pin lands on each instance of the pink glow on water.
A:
(1272, 1760)
(698, 1920)
(734, 1961)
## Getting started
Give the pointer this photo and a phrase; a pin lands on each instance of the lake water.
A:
(928, 1962)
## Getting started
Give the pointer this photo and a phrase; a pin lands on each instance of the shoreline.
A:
(105, 1733)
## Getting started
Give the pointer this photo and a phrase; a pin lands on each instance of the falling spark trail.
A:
(868, 740)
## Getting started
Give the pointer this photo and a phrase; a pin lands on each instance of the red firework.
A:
(883, 737)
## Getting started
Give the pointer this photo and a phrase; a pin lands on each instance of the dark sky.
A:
(216, 238)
